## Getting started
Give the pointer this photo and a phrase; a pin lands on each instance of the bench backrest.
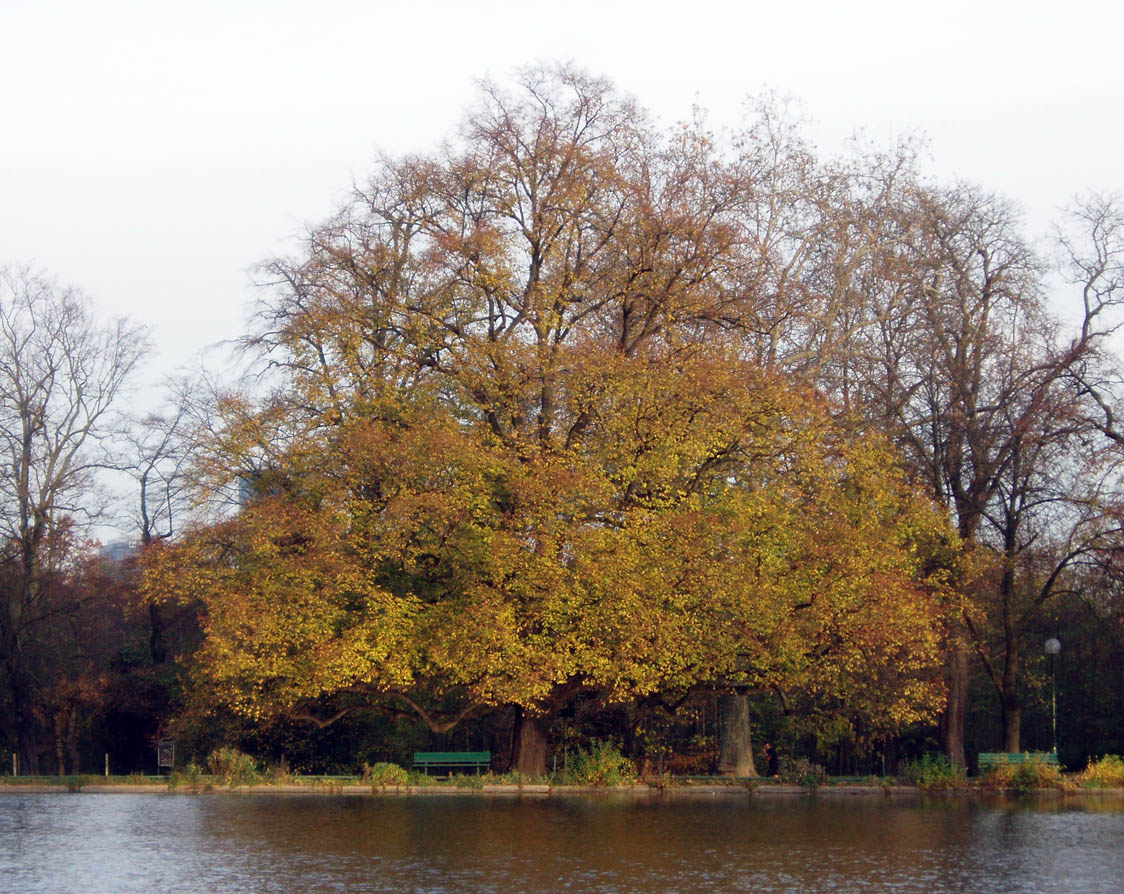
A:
(452, 757)
(990, 758)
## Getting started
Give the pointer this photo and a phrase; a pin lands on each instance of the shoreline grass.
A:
(410, 782)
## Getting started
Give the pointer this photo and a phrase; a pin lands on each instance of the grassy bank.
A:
(231, 770)
(490, 784)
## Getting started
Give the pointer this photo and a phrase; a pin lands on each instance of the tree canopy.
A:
(524, 444)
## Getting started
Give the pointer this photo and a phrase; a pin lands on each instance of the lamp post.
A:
(1052, 647)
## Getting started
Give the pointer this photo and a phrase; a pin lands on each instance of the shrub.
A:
(603, 764)
(231, 767)
(1029, 774)
(934, 771)
(383, 773)
(801, 771)
(191, 775)
(1108, 772)
(279, 775)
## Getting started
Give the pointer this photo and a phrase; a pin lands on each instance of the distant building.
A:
(119, 550)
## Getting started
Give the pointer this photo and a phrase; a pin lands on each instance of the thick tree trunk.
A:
(27, 740)
(528, 752)
(72, 753)
(60, 751)
(956, 708)
(27, 748)
(66, 740)
(1012, 724)
(1009, 691)
(735, 746)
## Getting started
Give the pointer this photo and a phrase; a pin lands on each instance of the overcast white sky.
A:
(152, 152)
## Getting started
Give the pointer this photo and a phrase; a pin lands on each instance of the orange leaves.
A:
(524, 450)
(702, 527)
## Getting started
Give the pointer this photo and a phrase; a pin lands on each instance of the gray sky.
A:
(152, 152)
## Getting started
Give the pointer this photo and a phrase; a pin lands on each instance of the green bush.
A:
(1108, 772)
(191, 775)
(231, 767)
(1029, 774)
(934, 771)
(279, 774)
(384, 773)
(801, 771)
(603, 764)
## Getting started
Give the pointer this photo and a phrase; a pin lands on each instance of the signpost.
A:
(165, 755)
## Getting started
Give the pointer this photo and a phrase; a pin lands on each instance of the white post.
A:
(107, 765)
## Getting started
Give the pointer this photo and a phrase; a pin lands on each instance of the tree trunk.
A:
(1012, 723)
(60, 747)
(27, 740)
(735, 747)
(528, 752)
(956, 708)
(66, 740)
(27, 748)
(1009, 703)
(72, 753)
(156, 647)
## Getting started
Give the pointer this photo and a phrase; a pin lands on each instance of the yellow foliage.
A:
(521, 449)
(709, 528)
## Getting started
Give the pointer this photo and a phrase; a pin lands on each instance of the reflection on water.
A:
(183, 843)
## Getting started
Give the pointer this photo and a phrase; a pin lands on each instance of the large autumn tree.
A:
(520, 448)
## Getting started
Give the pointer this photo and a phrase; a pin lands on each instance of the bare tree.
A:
(60, 372)
(155, 452)
(976, 380)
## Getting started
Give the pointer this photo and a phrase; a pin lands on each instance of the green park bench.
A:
(452, 760)
(988, 760)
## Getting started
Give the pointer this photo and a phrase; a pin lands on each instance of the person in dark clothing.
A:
(771, 762)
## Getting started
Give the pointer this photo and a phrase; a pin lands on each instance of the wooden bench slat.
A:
(989, 759)
(478, 760)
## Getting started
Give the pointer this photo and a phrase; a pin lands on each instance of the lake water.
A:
(310, 843)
